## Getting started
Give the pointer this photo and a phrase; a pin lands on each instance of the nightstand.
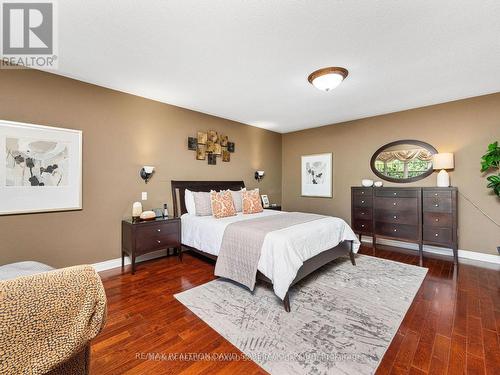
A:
(143, 237)
(276, 208)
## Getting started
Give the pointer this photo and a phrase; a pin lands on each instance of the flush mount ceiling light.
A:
(327, 79)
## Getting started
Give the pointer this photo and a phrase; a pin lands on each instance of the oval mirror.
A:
(403, 161)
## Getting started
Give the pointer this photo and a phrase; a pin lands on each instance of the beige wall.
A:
(463, 127)
(120, 134)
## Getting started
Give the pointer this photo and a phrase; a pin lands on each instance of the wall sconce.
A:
(259, 175)
(147, 172)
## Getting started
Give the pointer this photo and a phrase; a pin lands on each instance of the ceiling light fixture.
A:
(327, 79)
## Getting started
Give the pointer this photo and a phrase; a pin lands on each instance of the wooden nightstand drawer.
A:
(429, 193)
(362, 213)
(396, 193)
(362, 192)
(396, 217)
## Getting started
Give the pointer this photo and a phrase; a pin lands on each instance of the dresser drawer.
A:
(437, 204)
(396, 193)
(362, 201)
(438, 219)
(403, 231)
(429, 193)
(363, 213)
(395, 204)
(397, 217)
(362, 192)
(439, 235)
(363, 226)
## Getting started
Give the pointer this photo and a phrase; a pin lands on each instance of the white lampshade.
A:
(443, 161)
(148, 169)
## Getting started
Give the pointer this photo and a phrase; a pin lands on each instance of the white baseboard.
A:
(115, 263)
(465, 254)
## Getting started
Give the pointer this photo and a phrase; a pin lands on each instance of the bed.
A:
(288, 255)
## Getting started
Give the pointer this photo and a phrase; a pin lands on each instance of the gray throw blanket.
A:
(242, 244)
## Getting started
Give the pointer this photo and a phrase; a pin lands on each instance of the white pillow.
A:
(189, 202)
(237, 199)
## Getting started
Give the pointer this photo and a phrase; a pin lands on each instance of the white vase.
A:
(378, 184)
(366, 182)
(443, 179)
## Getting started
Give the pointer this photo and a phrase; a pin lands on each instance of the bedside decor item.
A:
(403, 161)
(212, 144)
(491, 162)
(442, 162)
(147, 172)
(265, 201)
(136, 210)
(148, 215)
(165, 210)
(366, 182)
(158, 212)
(316, 171)
(378, 184)
(40, 168)
(148, 236)
(259, 175)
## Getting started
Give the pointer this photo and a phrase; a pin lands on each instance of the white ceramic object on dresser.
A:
(366, 182)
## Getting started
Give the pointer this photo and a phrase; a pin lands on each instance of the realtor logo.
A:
(28, 34)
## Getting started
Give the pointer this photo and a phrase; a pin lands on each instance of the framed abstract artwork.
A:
(40, 168)
(316, 171)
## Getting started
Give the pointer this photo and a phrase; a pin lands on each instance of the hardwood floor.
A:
(452, 326)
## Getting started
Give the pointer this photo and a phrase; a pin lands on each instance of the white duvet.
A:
(283, 251)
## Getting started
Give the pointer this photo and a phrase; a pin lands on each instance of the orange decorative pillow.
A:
(251, 202)
(222, 204)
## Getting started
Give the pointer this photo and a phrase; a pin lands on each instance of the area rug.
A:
(342, 321)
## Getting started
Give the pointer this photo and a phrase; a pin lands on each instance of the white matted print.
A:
(40, 168)
(316, 173)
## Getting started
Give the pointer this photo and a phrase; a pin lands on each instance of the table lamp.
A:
(443, 161)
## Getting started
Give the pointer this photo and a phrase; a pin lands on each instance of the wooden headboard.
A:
(179, 187)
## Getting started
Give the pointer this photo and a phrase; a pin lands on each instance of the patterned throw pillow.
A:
(222, 204)
(251, 202)
(202, 203)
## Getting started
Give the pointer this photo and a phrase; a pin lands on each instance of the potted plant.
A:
(491, 162)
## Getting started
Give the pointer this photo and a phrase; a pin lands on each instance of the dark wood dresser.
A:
(425, 216)
(148, 236)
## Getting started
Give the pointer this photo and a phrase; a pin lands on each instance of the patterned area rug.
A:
(342, 321)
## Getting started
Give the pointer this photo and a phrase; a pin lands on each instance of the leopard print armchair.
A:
(47, 321)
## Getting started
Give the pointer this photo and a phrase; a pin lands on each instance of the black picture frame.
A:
(192, 143)
(230, 146)
(212, 159)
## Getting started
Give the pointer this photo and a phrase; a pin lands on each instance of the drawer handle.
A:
(437, 235)
(158, 241)
(395, 230)
(436, 205)
(362, 213)
(395, 217)
(394, 204)
(362, 225)
(362, 201)
(437, 220)
(159, 230)
(435, 194)
(395, 193)
(362, 192)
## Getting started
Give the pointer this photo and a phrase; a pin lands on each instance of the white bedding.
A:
(283, 251)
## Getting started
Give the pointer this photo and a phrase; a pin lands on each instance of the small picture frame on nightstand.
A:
(265, 200)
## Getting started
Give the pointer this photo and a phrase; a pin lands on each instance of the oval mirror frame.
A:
(421, 144)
